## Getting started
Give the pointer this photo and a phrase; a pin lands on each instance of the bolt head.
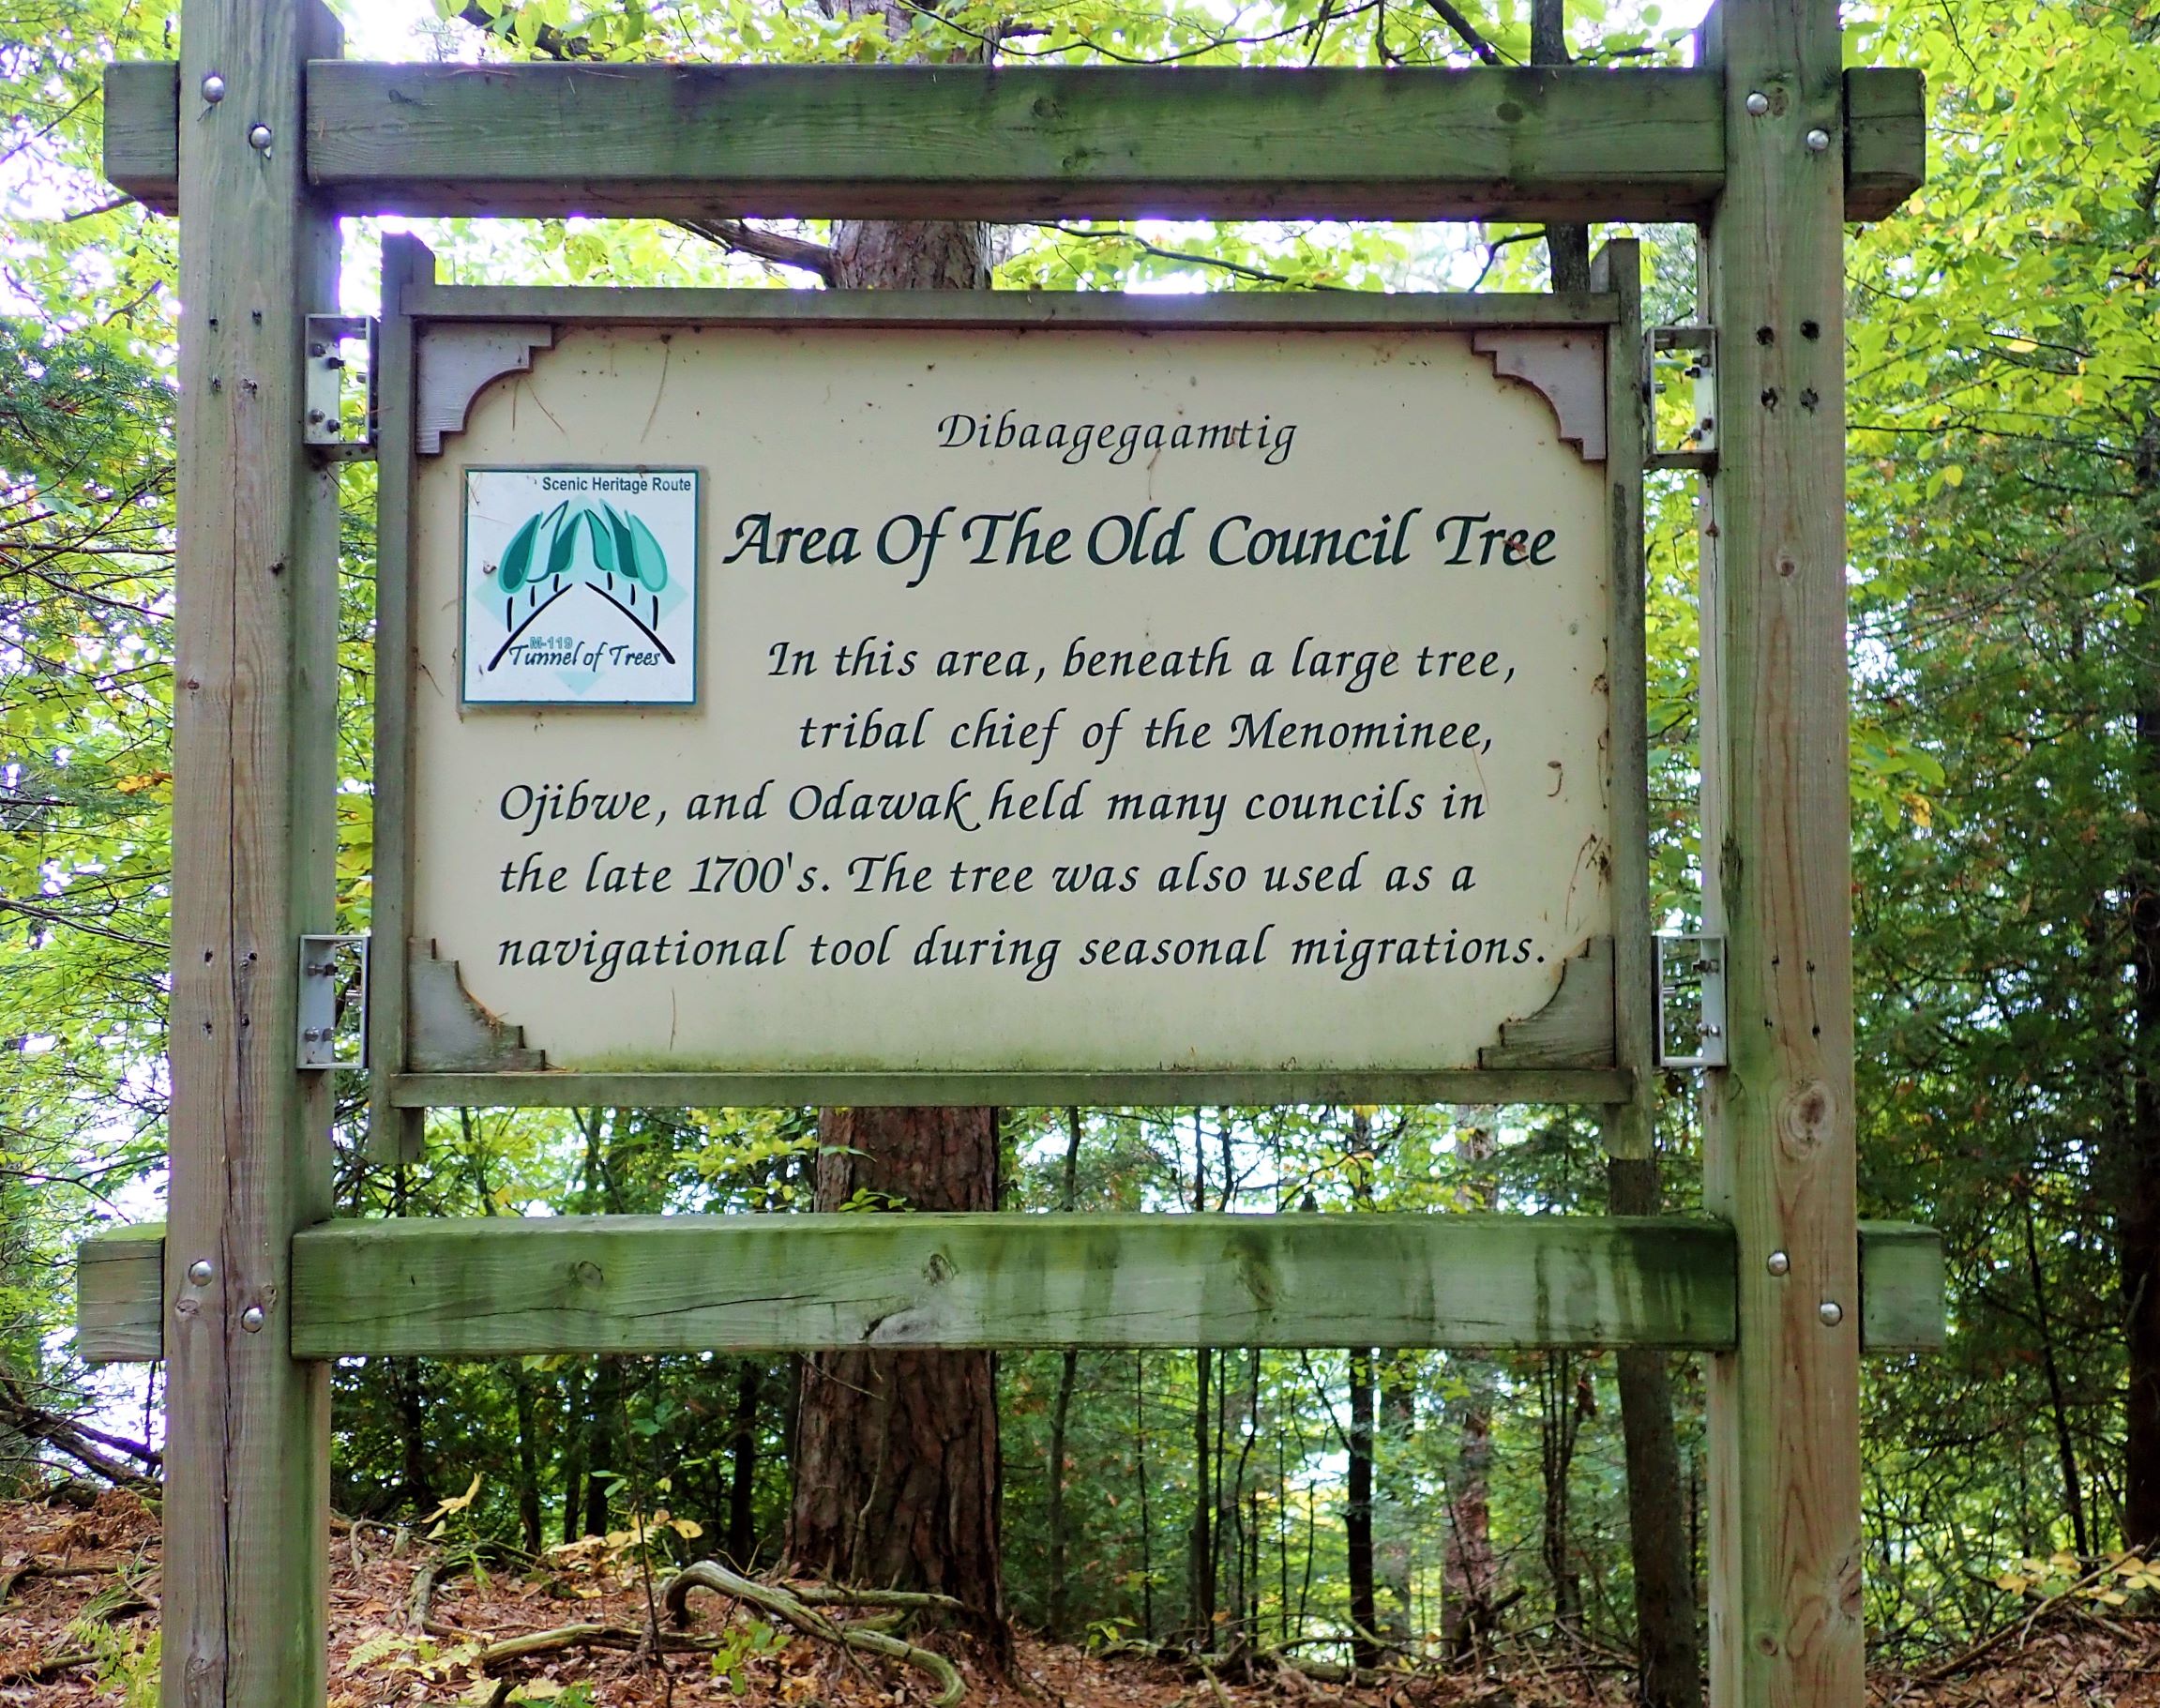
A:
(258, 138)
(1757, 103)
(1778, 1262)
(213, 88)
(1832, 1313)
(200, 1271)
(1817, 142)
(251, 1318)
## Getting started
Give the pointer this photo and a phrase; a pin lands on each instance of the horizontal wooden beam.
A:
(483, 1288)
(1582, 1087)
(487, 1288)
(1099, 310)
(120, 1295)
(663, 141)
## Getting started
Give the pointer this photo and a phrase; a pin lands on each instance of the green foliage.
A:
(2001, 514)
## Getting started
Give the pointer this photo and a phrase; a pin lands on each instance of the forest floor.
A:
(79, 1589)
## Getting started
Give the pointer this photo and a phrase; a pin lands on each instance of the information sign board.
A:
(1067, 700)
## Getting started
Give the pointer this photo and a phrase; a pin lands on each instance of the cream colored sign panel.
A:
(1066, 699)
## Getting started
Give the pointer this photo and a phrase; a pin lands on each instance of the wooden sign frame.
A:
(432, 1046)
(261, 137)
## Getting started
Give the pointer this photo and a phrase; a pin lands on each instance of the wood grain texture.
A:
(1003, 1090)
(653, 1284)
(141, 141)
(1901, 1289)
(247, 1506)
(120, 1317)
(394, 1134)
(929, 142)
(1121, 310)
(120, 1295)
(1627, 1128)
(1785, 1578)
(1885, 139)
(954, 141)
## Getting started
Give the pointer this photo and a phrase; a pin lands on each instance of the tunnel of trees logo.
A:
(592, 547)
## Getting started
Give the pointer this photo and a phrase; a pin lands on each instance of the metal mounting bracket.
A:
(1697, 446)
(333, 1024)
(1690, 1005)
(325, 427)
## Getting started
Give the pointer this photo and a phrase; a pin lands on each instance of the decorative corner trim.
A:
(1574, 1029)
(1565, 366)
(456, 358)
(447, 1032)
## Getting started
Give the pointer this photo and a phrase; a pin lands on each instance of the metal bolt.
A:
(1757, 103)
(251, 1318)
(213, 88)
(258, 138)
(1832, 1313)
(1818, 141)
(1778, 1262)
(200, 1271)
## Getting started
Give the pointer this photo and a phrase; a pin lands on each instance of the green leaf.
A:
(652, 563)
(517, 566)
(603, 538)
(564, 546)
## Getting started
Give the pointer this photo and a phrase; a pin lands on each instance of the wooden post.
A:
(1785, 1573)
(247, 1502)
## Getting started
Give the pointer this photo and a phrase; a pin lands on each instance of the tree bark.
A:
(1567, 247)
(896, 1467)
(1060, 1413)
(2138, 1223)
(1393, 1517)
(896, 1470)
(1357, 1516)
(2066, 1448)
(1470, 1571)
(1659, 1542)
(743, 1469)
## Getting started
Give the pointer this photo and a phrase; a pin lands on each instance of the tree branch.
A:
(1453, 17)
(738, 237)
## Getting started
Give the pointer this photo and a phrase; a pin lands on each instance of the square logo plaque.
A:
(581, 586)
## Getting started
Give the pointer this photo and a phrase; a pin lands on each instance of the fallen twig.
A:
(1988, 1645)
(40, 1670)
(785, 1605)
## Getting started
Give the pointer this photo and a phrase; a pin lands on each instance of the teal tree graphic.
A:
(571, 546)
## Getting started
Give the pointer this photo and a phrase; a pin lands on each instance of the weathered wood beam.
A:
(706, 1283)
(963, 142)
(246, 1509)
(1786, 1541)
(1569, 1085)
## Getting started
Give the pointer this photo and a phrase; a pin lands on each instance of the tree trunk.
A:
(896, 1472)
(1146, 1513)
(1061, 1411)
(528, 1459)
(1564, 1396)
(1470, 1571)
(2138, 1224)
(1660, 1542)
(2066, 1449)
(742, 1471)
(1357, 1516)
(1394, 1520)
(1567, 247)
(1200, 1538)
(573, 1456)
(605, 1398)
